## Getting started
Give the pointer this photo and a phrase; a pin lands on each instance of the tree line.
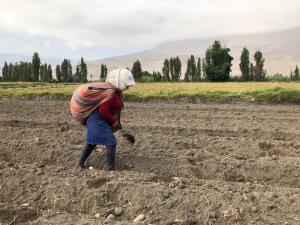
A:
(35, 71)
(215, 66)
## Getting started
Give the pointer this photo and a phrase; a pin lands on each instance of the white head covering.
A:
(120, 78)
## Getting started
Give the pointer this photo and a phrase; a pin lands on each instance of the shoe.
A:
(106, 168)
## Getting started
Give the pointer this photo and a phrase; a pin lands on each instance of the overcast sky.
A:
(98, 28)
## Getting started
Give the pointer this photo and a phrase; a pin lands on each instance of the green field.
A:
(254, 91)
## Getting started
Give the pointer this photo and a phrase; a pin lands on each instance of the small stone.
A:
(24, 205)
(226, 213)
(275, 195)
(181, 186)
(213, 215)
(166, 194)
(118, 211)
(271, 206)
(178, 221)
(241, 210)
(97, 215)
(139, 218)
(90, 168)
(254, 209)
(39, 172)
(109, 219)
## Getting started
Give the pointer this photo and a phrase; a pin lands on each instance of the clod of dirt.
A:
(264, 145)
(177, 182)
(109, 219)
(118, 211)
(97, 215)
(64, 127)
(166, 194)
(139, 218)
(24, 205)
(254, 209)
(213, 214)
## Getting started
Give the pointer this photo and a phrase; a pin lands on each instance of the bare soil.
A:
(192, 164)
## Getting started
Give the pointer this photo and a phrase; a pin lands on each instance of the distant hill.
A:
(280, 49)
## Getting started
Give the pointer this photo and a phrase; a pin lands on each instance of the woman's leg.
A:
(85, 154)
(111, 156)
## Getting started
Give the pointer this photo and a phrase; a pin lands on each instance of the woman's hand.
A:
(116, 126)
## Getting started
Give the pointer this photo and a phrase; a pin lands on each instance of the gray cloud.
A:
(104, 28)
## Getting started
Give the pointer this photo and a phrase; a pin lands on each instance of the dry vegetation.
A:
(259, 91)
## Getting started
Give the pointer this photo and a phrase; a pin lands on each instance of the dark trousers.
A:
(110, 155)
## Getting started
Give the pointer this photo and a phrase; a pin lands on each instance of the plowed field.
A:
(192, 164)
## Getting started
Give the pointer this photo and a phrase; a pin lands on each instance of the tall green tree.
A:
(70, 73)
(177, 68)
(260, 73)
(10, 71)
(187, 77)
(22, 71)
(77, 75)
(203, 69)
(5, 75)
(15, 72)
(199, 70)
(45, 73)
(29, 73)
(83, 71)
(49, 71)
(137, 70)
(251, 71)
(245, 64)
(65, 71)
(103, 72)
(58, 73)
(191, 70)
(296, 74)
(36, 62)
(166, 70)
(218, 62)
(42, 74)
(172, 66)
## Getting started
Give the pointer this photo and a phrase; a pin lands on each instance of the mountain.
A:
(281, 51)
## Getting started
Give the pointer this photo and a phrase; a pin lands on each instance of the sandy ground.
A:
(192, 164)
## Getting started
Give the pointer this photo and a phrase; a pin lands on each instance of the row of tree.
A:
(215, 66)
(252, 72)
(171, 70)
(35, 71)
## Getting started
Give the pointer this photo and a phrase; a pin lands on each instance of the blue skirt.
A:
(99, 132)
